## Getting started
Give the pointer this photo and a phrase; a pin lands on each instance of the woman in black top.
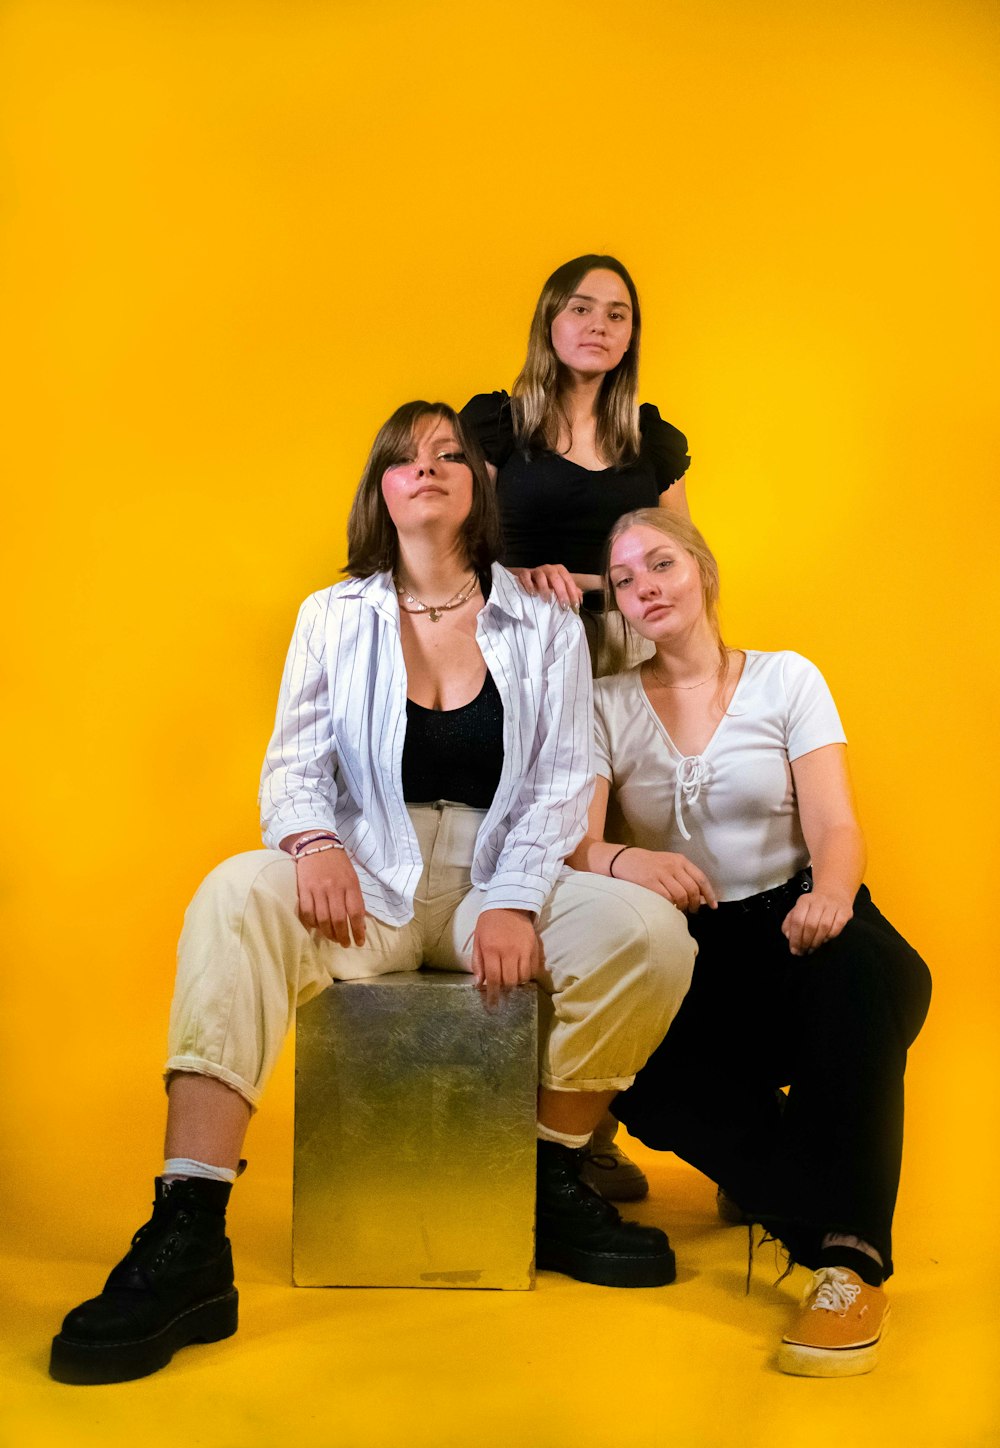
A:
(571, 448)
(572, 451)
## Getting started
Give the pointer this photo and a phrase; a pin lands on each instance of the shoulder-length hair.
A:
(372, 541)
(679, 530)
(537, 406)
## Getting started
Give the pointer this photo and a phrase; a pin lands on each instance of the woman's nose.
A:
(425, 469)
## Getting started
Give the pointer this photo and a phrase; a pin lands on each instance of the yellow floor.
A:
(565, 1365)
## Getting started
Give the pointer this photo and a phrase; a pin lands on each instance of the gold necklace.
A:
(435, 610)
(700, 684)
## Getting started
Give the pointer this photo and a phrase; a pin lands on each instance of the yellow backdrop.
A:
(236, 235)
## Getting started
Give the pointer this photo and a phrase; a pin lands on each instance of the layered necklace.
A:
(410, 603)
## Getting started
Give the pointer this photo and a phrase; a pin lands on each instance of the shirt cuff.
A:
(280, 830)
(517, 892)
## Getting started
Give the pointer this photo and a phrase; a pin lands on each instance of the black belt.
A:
(782, 897)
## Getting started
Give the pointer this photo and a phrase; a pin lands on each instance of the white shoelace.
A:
(692, 771)
(835, 1292)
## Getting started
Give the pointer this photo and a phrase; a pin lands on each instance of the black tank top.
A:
(454, 754)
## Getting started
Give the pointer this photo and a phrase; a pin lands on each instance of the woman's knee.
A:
(673, 950)
(867, 965)
(659, 945)
(231, 885)
(615, 942)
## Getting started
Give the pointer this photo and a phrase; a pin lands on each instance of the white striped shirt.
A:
(335, 758)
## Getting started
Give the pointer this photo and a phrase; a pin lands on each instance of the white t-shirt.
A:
(731, 810)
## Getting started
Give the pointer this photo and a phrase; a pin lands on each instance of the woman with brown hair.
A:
(723, 787)
(429, 771)
(571, 445)
(572, 450)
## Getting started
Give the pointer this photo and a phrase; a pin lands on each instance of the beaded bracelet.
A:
(611, 866)
(300, 845)
(318, 849)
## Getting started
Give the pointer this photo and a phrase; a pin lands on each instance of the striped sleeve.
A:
(297, 789)
(550, 814)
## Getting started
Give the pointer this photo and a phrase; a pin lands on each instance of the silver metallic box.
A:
(415, 1116)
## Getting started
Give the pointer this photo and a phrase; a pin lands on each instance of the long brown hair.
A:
(679, 530)
(537, 410)
(372, 541)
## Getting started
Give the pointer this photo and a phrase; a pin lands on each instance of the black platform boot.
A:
(581, 1234)
(174, 1287)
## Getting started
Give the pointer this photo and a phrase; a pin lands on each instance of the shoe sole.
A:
(830, 1362)
(608, 1269)
(85, 1363)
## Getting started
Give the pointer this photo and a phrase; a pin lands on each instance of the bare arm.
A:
(669, 875)
(592, 853)
(836, 847)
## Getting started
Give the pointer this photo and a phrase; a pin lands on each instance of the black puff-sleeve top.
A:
(555, 511)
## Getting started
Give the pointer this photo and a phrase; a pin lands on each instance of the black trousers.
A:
(834, 1027)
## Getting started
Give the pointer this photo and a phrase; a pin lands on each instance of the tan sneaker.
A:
(608, 1170)
(838, 1329)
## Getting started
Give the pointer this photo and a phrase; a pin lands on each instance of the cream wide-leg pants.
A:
(618, 962)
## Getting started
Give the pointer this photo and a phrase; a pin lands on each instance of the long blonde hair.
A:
(537, 409)
(679, 530)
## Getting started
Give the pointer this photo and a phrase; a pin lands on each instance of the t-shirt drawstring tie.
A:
(692, 771)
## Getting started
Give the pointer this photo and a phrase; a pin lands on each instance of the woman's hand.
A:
(506, 952)
(550, 580)
(814, 919)
(330, 896)
(672, 876)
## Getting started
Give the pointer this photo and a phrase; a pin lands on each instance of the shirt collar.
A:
(506, 593)
(377, 589)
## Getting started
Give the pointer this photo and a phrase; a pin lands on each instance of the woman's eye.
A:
(617, 316)
(452, 457)
(664, 563)
(580, 311)
(621, 582)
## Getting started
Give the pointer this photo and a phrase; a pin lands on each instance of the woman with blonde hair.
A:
(429, 771)
(723, 787)
(572, 450)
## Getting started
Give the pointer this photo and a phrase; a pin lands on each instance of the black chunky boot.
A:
(175, 1286)
(581, 1234)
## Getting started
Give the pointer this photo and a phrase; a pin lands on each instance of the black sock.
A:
(866, 1267)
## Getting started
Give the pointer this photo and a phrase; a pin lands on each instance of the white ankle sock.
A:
(565, 1138)
(176, 1168)
(858, 1244)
